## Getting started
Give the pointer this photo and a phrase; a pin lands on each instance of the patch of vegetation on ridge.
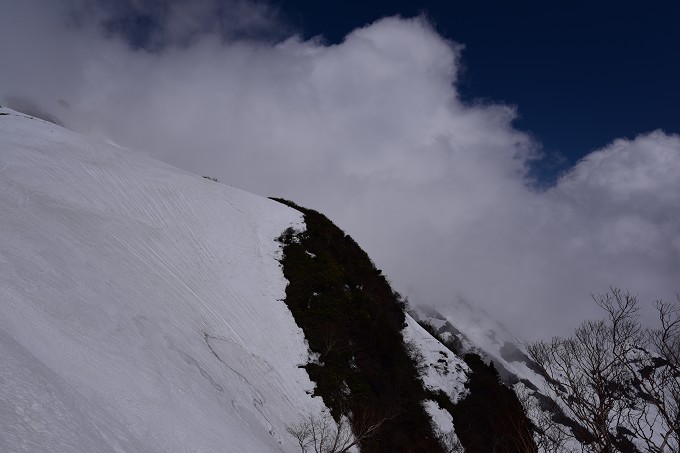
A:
(353, 320)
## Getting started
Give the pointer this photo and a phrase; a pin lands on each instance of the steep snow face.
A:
(140, 306)
(443, 370)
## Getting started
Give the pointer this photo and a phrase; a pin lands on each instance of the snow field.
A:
(140, 305)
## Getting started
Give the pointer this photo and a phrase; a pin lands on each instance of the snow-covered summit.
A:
(140, 306)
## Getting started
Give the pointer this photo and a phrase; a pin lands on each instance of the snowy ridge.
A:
(141, 305)
(443, 370)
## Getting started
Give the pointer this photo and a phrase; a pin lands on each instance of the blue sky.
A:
(581, 73)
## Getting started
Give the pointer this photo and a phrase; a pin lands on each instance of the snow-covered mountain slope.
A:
(443, 371)
(140, 306)
(475, 331)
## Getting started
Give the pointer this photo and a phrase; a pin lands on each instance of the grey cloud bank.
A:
(372, 132)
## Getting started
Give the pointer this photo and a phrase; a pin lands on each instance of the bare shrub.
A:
(320, 433)
(614, 376)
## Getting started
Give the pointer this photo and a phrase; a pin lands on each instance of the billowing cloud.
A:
(373, 133)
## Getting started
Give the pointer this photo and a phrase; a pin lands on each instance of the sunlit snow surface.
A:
(140, 306)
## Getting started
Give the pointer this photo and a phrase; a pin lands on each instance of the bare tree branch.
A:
(614, 376)
(320, 433)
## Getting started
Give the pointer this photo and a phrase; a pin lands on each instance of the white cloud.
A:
(372, 132)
